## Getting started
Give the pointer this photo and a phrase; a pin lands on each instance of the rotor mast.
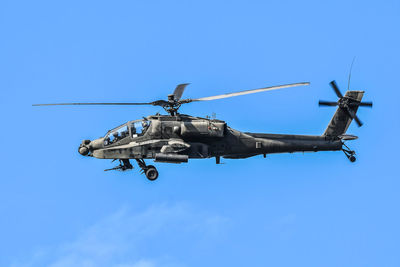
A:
(172, 106)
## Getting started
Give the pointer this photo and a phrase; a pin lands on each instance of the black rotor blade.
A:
(327, 103)
(365, 104)
(359, 123)
(244, 92)
(353, 115)
(161, 103)
(179, 90)
(92, 104)
(336, 89)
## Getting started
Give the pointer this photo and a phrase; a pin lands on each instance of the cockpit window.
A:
(138, 128)
(116, 135)
(132, 129)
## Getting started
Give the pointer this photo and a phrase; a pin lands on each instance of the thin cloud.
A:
(126, 239)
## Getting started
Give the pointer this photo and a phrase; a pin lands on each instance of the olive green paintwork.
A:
(176, 138)
(197, 137)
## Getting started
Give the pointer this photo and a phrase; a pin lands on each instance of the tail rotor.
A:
(346, 103)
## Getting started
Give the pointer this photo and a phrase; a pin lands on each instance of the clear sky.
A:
(58, 208)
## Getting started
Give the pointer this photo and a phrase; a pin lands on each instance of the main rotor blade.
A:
(91, 104)
(365, 104)
(336, 89)
(327, 103)
(179, 90)
(246, 92)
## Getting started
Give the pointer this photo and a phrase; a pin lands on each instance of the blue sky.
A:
(314, 209)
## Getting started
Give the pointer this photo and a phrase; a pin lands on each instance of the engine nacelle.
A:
(203, 129)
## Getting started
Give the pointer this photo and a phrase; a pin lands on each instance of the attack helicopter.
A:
(176, 138)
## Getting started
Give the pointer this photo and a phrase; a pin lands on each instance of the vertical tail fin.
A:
(340, 122)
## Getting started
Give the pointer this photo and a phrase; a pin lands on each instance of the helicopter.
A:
(176, 137)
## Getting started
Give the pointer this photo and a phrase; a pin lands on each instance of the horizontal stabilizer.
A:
(346, 137)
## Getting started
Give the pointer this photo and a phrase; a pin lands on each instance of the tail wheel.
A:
(151, 173)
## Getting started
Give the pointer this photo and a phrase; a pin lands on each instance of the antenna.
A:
(351, 67)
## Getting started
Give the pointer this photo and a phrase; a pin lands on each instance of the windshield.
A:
(131, 129)
(116, 134)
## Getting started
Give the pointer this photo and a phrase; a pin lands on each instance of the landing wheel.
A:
(349, 153)
(151, 173)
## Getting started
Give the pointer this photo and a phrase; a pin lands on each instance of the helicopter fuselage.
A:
(175, 139)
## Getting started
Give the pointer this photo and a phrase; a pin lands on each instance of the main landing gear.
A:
(349, 153)
(149, 170)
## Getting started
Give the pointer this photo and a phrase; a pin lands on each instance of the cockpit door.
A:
(155, 130)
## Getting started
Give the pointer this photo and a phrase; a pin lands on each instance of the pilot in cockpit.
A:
(116, 136)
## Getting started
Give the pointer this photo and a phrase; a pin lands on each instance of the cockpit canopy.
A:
(130, 129)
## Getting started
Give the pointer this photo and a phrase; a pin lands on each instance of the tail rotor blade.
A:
(365, 104)
(336, 89)
(327, 103)
(353, 115)
(359, 123)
